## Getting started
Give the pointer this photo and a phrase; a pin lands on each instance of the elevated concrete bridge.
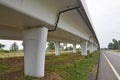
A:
(38, 21)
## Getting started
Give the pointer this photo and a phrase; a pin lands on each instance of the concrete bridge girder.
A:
(28, 13)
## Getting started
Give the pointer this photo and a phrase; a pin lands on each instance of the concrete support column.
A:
(95, 48)
(57, 48)
(88, 47)
(34, 51)
(91, 47)
(84, 48)
(74, 48)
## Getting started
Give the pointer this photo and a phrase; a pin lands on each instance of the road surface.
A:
(109, 66)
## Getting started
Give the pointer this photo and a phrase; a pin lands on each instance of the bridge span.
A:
(38, 21)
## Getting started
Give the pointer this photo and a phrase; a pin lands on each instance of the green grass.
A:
(71, 66)
(21, 54)
(5, 68)
(28, 78)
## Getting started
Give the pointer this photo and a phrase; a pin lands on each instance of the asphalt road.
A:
(109, 66)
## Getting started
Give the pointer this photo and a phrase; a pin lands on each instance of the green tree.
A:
(50, 46)
(114, 45)
(110, 46)
(70, 48)
(14, 47)
(1, 46)
(65, 45)
(62, 47)
(119, 44)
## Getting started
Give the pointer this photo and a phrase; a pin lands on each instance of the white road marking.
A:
(114, 70)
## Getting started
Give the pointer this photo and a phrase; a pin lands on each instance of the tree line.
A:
(51, 46)
(63, 47)
(114, 45)
(13, 47)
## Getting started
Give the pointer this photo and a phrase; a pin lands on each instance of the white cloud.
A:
(8, 43)
(105, 15)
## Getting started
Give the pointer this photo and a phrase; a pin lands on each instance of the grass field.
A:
(20, 54)
(67, 66)
(117, 50)
(11, 54)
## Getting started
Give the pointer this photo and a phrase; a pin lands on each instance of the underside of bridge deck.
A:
(38, 21)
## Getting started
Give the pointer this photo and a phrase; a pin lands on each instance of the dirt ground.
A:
(16, 63)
